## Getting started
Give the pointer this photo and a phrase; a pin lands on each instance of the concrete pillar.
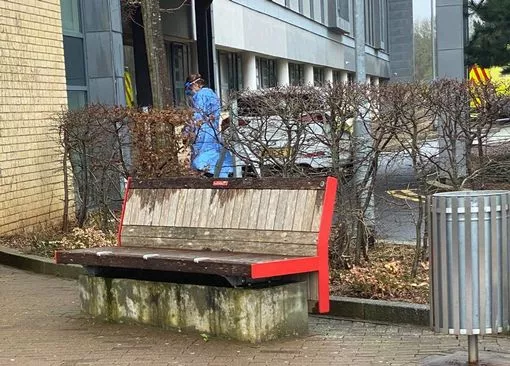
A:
(249, 70)
(375, 81)
(328, 75)
(308, 74)
(368, 80)
(282, 73)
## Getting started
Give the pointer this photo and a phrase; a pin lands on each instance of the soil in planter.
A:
(387, 276)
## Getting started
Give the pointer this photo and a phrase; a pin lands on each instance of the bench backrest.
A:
(269, 215)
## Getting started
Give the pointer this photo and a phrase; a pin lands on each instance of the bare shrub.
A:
(105, 145)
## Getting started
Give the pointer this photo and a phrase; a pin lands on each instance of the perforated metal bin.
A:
(469, 262)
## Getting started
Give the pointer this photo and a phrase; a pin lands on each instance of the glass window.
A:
(178, 56)
(76, 99)
(74, 61)
(318, 76)
(230, 73)
(70, 15)
(296, 74)
(74, 54)
(343, 9)
(266, 73)
(337, 76)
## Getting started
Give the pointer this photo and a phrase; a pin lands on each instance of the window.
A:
(343, 9)
(230, 73)
(178, 55)
(340, 15)
(296, 74)
(266, 73)
(74, 54)
(376, 19)
(337, 76)
(318, 76)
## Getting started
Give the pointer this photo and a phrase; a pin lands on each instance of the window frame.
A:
(80, 35)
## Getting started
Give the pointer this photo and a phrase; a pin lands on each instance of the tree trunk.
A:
(161, 83)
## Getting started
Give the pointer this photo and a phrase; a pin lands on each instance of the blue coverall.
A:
(207, 147)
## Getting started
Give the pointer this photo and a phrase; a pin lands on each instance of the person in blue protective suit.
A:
(208, 155)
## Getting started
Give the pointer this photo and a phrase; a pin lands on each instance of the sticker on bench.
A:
(199, 259)
(147, 256)
(220, 183)
(104, 252)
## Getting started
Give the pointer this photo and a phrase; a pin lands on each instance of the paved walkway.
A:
(40, 324)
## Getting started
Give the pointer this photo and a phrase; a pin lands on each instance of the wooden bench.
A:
(245, 230)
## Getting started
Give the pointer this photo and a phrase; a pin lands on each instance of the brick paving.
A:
(40, 324)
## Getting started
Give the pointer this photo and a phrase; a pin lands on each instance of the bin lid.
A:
(461, 194)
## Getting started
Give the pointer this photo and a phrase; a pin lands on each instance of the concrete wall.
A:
(400, 14)
(32, 89)
(267, 28)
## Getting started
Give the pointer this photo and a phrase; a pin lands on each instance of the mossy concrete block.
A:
(246, 314)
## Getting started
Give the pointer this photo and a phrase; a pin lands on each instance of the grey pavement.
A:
(41, 324)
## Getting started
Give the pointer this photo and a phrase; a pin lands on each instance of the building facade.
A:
(32, 91)
(264, 43)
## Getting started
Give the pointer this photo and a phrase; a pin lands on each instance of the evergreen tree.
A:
(490, 43)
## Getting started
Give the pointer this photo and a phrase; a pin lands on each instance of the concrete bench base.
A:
(245, 314)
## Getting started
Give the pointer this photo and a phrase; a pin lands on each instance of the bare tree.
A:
(160, 76)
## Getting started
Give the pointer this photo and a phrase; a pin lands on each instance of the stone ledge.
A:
(34, 263)
(345, 307)
(380, 310)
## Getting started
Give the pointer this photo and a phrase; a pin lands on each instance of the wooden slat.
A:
(146, 209)
(317, 211)
(245, 246)
(271, 209)
(181, 206)
(236, 211)
(241, 183)
(290, 210)
(299, 210)
(245, 209)
(254, 209)
(189, 207)
(280, 209)
(128, 211)
(309, 208)
(134, 202)
(204, 208)
(169, 210)
(213, 208)
(263, 236)
(221, 208)
(229, 208)
(158, 206)
(263, 209)
(197, 206)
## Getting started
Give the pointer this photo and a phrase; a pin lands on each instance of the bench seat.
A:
(223, 263)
